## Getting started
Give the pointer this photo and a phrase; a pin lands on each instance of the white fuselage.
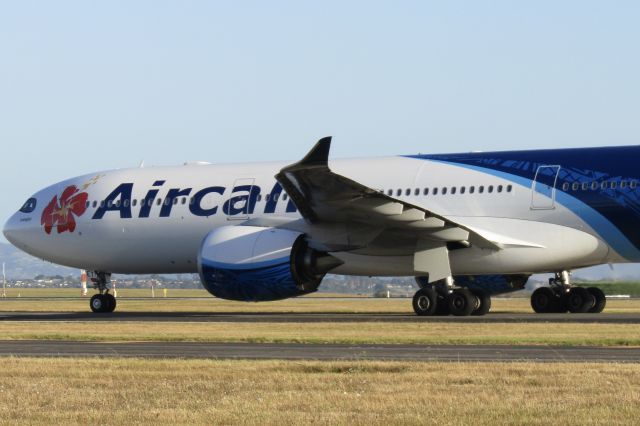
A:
(537, 232)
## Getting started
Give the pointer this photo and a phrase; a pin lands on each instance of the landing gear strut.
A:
(443, 298)
(103, 302)
(561, 296)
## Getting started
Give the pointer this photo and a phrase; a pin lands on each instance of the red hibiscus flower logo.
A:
(61, 213)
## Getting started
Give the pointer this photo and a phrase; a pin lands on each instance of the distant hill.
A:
(19, 264)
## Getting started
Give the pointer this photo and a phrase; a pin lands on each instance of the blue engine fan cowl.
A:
(272, 281)
(248, 263)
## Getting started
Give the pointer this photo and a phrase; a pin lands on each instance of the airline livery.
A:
(467, 226)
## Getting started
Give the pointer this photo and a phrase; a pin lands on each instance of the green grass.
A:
(631, 288)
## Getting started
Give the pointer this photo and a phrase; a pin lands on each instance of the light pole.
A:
(4, 282)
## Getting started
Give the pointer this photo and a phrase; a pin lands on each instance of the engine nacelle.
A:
(250, 263)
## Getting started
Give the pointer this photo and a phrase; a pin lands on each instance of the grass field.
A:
(183, 301)
(297, 332)
(327, 332)
(135, 391)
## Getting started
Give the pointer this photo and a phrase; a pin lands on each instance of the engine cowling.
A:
(250, 263)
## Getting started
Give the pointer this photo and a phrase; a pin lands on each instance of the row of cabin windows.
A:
(167, 201)
(453, 190)
(575, 186)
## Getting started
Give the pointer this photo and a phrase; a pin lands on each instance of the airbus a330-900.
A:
(467, 226)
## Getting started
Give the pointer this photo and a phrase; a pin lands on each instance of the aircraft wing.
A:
(324, 198)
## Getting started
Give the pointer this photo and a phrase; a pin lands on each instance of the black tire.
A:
(484, 303)
(111, 302)
(442, 306)
(425, 301)
(600, 300)
(544, 301)
(98, 303)
(579, 300)
(461, 302)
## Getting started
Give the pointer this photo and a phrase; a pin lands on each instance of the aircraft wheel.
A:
(425, 301)
(544, 301)
(442, 305)
(98, 303)
(111, 302)
(580, 300)
(461, 302)
(600, 300)
(484, 303)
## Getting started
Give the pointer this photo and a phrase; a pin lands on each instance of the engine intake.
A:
(250, 263)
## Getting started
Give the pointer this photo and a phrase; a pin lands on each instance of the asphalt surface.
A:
(623, 318)
(455, 353)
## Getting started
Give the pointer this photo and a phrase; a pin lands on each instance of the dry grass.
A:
(134, 391)
(360, 333)
(308, 304)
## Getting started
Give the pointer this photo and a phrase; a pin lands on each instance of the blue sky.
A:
(99, 85)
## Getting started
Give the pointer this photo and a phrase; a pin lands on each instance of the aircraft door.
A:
(543, 188)
(242, 200)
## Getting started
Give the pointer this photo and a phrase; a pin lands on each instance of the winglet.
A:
(319, 154)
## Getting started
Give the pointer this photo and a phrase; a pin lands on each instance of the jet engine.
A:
(249, 263)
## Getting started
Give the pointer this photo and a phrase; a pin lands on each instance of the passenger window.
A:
(472, 189)
(284, 196)
(86, 205)
(407, 192)
(425, 191)
(399, 192)
(192, 200)
(614, 184)
(453, 190)
(126, 203)
(462, 189)
(509, 188)
(565, 186)
(435, 191)
(267, 197)
(444, 190)
(134, 202)
(480, 189)
(184, 200)
(109, 203)
(633, 184)
(594, 185)
(575, 186)
(390, 192)
(102, 203)
(416, 191)
(604, 185)
(175, 201)
(499, 188)
(623, 184)
(95, 204)
(490, 189)
(585, 186)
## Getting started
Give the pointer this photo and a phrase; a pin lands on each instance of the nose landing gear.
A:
(103, 302)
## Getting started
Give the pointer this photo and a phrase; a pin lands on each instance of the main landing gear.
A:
(561, 297)
(442, 298)
(103, 302)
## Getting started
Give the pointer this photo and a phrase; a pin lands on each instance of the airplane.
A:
(467, 226)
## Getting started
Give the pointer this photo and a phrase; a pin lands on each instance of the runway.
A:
(499, 317)
(456, 353)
